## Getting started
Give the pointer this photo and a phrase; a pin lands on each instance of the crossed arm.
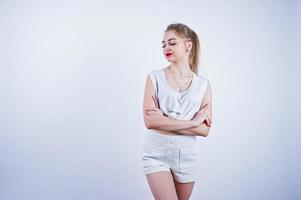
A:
(154, 118)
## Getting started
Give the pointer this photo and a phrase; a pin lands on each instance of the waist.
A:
(177, 140)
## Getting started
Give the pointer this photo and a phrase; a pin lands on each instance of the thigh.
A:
(184, 190)
(162, 185)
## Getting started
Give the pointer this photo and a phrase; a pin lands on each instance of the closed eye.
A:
(172, 44)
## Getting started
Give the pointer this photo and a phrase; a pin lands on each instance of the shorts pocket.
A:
(188, 158)
(153, 152)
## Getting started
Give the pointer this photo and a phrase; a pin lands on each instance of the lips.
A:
(168, 54)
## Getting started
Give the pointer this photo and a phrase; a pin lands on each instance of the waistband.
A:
(175, 140)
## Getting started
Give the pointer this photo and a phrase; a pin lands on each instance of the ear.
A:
(189, 45)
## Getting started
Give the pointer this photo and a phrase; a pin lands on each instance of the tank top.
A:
(178, 105)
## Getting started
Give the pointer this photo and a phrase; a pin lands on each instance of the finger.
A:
(198, 114)
(151, 109)
(157, 111)
(154, 111)
(209, 119)
(203, 109)
(208, 122)
(201, 114)
(155, 102)
(147, 112)
(205, 106)
(152, 114)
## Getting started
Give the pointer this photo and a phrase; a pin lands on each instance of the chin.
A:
(170, 60)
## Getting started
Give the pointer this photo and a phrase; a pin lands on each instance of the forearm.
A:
(201, 130)
(167, 124)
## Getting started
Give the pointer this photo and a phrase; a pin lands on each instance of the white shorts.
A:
(175, 153)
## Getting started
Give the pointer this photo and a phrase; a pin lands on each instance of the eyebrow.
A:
(169, 39)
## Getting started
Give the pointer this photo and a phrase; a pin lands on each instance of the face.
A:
(174, 47)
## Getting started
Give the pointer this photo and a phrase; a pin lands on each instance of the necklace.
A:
(179, 85)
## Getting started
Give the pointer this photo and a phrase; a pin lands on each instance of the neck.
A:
(181, 68)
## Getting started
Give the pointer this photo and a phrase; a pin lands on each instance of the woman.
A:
(177, 108)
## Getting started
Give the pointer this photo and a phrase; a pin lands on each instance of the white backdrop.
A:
(72, 81)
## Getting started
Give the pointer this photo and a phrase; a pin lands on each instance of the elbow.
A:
(152, 122)
(148, 124)
(204, 132)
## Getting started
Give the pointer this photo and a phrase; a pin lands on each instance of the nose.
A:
(167, 47)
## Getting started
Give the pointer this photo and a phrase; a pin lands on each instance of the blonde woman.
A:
(177, 108)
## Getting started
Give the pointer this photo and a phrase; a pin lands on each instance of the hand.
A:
(201, 116)
(155, 102)
(154, 112)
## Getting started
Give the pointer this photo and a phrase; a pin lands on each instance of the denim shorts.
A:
(175, 153)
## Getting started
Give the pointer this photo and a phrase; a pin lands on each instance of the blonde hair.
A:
(183, 30)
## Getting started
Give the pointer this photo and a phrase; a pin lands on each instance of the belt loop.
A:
(180, 160)
(165, 155)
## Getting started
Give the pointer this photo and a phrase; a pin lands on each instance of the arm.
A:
(153, 117)
(204, 127)
(166, 124)
(201, 130)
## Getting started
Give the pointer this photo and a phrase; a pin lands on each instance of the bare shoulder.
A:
(150, 88)
(207, 98)
(208, 89)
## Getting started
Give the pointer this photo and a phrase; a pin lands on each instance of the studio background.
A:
(72, 77)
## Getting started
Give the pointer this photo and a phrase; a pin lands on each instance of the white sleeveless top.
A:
(174, 104)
